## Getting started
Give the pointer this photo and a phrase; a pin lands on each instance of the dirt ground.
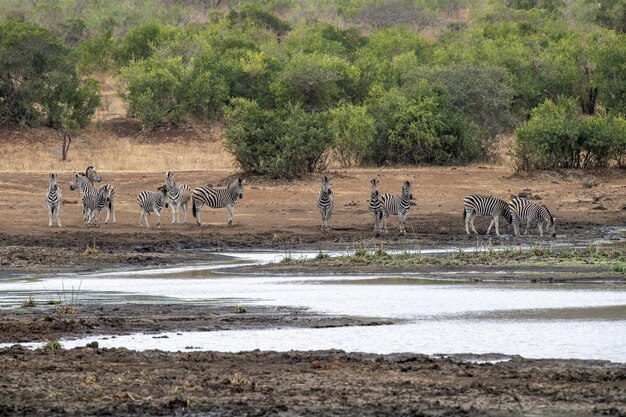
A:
(283, 215)
(279, 215)
(327, 383)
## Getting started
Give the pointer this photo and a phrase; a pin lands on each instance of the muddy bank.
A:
(300, 383)
(64, 321)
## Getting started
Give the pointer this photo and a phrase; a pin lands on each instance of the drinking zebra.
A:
(152, 202)
(476, 204)
(178, 195)
(217, 198)
(524, 210)
(94, 200)
(325, 202)
(53, 200)
(92, 174)
(375, 206)
(397, 205)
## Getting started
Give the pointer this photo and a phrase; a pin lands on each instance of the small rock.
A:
(600, 207)
(589, 183)
(522, 194)
(596, 198)
(93, 344)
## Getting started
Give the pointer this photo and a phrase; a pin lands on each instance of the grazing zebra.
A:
(399, 205)
(152, 202)
(522, 209)
(93, 199)
(53, 200)
(325, 202)
(217, 198)
(476, 204)
(92, 174)
(376, 207)
(178, 195)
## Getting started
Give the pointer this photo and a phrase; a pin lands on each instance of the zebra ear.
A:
(241, 182)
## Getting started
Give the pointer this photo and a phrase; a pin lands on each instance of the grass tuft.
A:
(240, 310)
(29, 303)
(53, 345)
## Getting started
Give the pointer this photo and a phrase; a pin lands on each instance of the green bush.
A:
(153, 89)
(282, 143)
(141, 42)
(353, 130)
(602, 139)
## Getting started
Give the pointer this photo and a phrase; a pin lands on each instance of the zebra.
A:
(375, 206)
(93, 199)
(53, 200)
(476, 204)
(150, 201)
(325, 202)
(522, 209)
(92, 174)
(397, 205)
(178, 195)
(217, 198)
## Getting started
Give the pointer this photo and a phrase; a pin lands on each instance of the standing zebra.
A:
(397, 205)
(53, 200)
(93, 200)
(476, 204)
(152, 202)
(178, 195)
(217, 198)
(325, 202)
(375, 206)
(522, 209)
(92, 174)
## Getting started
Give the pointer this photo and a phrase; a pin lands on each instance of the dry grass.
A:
(114, 154)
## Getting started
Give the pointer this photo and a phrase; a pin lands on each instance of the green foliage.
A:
(353, 130)
(142, 41)
(53, 345)
(29, 303)
(153, 88)
(38, 80)
(317, 81)
(285, 142)
(602, 139)
(256, 15)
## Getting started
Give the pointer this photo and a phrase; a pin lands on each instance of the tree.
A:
(353, 130)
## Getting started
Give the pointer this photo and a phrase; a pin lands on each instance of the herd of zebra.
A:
(385, 205)
(177, 196)
(170, 194)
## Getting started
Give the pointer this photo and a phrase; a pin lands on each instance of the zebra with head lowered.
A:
(178, 195)
(397, 205)
(524, 210)
(325, 202)
(53, 200)
(375, 206)
(217, 198)
(92, 174)
(152, 202)
(93, 200)
(476, 204)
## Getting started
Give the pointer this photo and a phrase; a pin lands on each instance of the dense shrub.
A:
(602, 139)
(38, 80)
(286, 142)
(353, 130)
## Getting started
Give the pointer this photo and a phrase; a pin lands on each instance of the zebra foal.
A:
(375, 206)
(94, 200)
(524, 210)
(397, 205)
(53, 200)
(476, 204)
(325, 202)
(178, 195)
(217, 198)
(152, 202)
(92, 174)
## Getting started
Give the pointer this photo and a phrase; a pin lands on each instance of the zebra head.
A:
(407, 190)
(79, 180)
(235, 188)
(169, 180)
(163, 189)
(552, 221)
(92, 174)
(53, 179)
(326, 185)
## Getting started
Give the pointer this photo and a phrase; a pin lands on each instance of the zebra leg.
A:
(58, 213)
(540, 227)
(472, 217)
(527, 227)
(49, 216)
(141, 218)
(229, 209)
(184, 207)
(493, 221)
(158, 216)
(173, 212)
(328, 217)
(198, 221)
(497, 220)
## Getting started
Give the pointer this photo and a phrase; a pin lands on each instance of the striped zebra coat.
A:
(178, 195)
(92, 174)
(397, 205)
(94, 200)
(152, 202)
(217, 198)
(476, 204)
(54, 198)
(325, 202)
(524, 210)
(375, 206)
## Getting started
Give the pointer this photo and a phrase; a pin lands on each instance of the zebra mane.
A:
(549, 214)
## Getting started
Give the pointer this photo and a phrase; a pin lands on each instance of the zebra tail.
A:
(110, 205)
(193, 208)
(464, 214)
